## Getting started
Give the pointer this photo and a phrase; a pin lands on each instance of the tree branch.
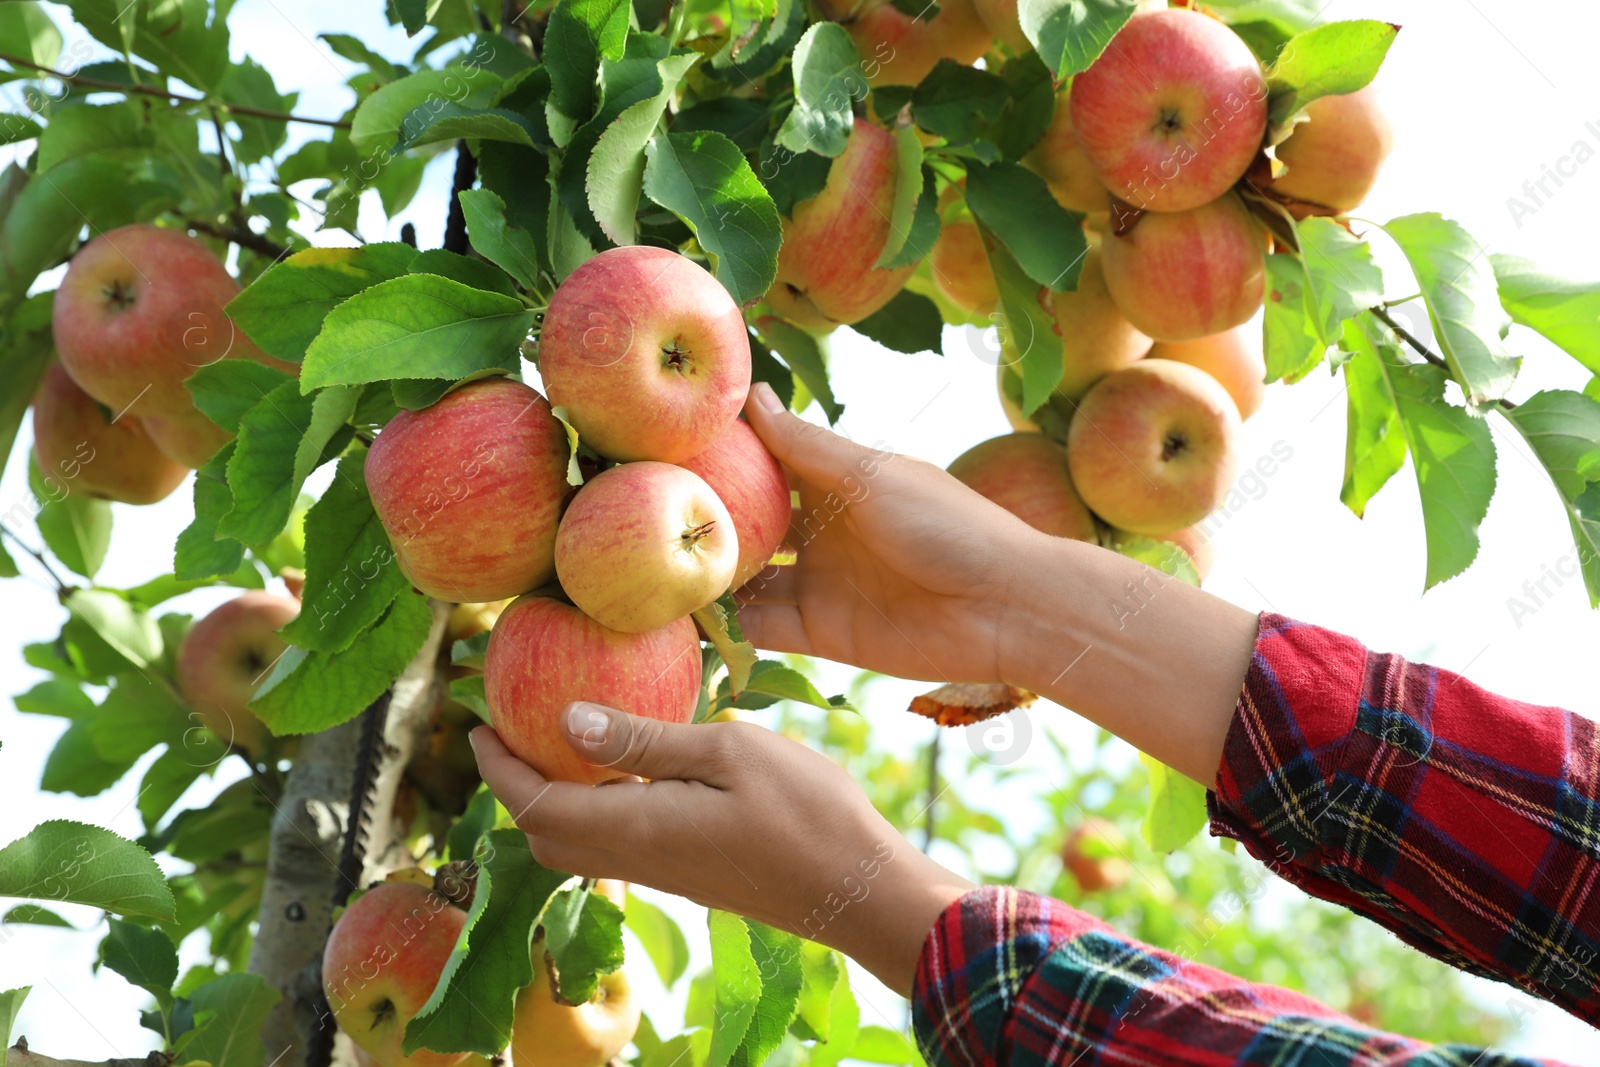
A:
(151, 90)
(239, 235)
(19, 1055)
(1383, 316)
(455, 227)
(928, 828)
(62, 588)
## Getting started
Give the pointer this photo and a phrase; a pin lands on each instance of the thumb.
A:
(820, 456)
(636, 744)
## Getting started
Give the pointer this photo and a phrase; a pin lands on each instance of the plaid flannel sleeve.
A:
(1007, 977)
(1466, 823)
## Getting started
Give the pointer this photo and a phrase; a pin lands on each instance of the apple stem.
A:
(699, 533)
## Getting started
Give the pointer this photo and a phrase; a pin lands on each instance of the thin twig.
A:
(933, 789)
(1383, 316)
(455, 227)
(62, 588)
(150, 90)
(239, 235)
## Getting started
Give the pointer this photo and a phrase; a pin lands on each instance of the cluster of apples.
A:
(647, 357)
(389, 949)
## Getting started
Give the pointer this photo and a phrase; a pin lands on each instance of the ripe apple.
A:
(470, 491)
(1060, 160)
(1096, 337)
(138, 311)
(381, 963)
(77, 446)
(826, 275)
(226, 656)
(752, 486)
(645, 543)
(1172, 113)
(1234, 358)
(546, 1032)
(1185, 275)
(1000, 18)
(899, 49)
(646, 352)
(1026, 473)
(958, 262)
(1095, 854)
(544, 654)
(1153, 446)
(1333, 158)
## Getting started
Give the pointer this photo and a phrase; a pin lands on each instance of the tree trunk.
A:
(304, 880)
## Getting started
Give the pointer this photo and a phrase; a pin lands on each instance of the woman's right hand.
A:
(901, 569)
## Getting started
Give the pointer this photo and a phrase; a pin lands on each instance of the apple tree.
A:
(823, 176)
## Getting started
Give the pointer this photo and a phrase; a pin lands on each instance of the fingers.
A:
(517, 785)
(776, 628)
(819, 456)
(774, 585)
(634, 744)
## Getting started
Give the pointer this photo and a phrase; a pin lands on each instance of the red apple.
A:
(1173, 111)
(381, 963)
(826, 275)
(470, 491)
(1059, 159)
(1333, 158)
(644, 544)
(547, 1032)
(226, 656)
(138, 311)
(1026, 473)
(544, 654)
(1153, 447)
(958, 262)
(1095, 854)
(899, 49)
(1186, 275)
(751, 484)
(78, 447)
(1096, 337)
(647, 354)
(1233, 358)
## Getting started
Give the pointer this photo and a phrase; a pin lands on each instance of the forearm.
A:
(1150, 658)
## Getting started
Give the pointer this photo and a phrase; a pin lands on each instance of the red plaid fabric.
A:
(1465, 822)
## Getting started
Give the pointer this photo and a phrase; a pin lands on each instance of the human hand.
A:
(734, 817)
(901, 569)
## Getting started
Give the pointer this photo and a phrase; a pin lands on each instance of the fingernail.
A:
(472, 737)
(767, 398)
(589, 723)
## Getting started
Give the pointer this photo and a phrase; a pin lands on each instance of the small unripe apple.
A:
(1333, 158)
(380, 966)
(138, 311)
(546, 1032)
(1184, 275)
(545, 654)
(1096, 337)
(1234, 358)
(646, 353)
(1059, 159)
(643, 544)
(900, 49)
(1026, 473)
(1153, 447)
(751, 484)
(86, 453)
(226, 656)
(470, 491)
(1095, 854)
(1173, 111)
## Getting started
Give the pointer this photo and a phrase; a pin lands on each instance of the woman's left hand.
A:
(737, 818)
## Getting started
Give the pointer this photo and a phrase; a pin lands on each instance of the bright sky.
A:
(1484, 96)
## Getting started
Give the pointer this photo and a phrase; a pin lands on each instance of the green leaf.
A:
(827, 82)
(1032, 105)
(353, 49)
(616, 167)
(418, 326)
(1453, 455)
(199, 552)
(1563, 429)
(720, 621)
(771, 678)
(661, 937)
(1027, 329)
(26, 31)
(75, 527)
(923, 232)
(705, 180)
(1017, 207)
(908, 323)
(310, 691)
(1375, 444)
(804, 357)
(129, 631)
(736, 986)
(468, 830)
(174, 771)
(180, 37)
(8, 566)
(74, 863)
(1564, 310)
(17, 128)
(777, 957)
(413, 15)
(283, 310)
(879, 1044)
(431, 124)
(23, 358)
(238, 1005)
(393, 111)
(509, 247)
(909, 184)
(261, 474)
(1336, 58)
(1070, 34)
(226, 389)
(959, 103)
(579, 35)
(10, 1004)
(33, 915)
(471, 1006)
(247, 84)
(1458, 288)
(583, 934)
(1311, 295)
(54, 696)
(145, 957)
(1177, 810)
